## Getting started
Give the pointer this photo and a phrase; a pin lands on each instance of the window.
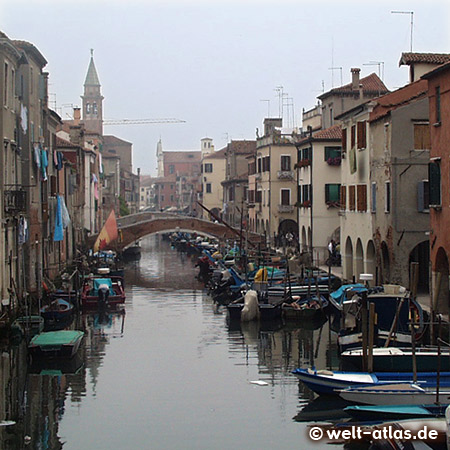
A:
(343, 197)
(266, 164)
(171, 187)
(351, 198)
(208, 168)
(362, 138)
(285, 197)
(361, 191)
(423, 197)
(259, 165)
(438, 104)
(387, 197)
(258, 197)
(5, 87)
(344, 140)
(171, 198)
(208, 188)
(332, 152)
(251, 196)
(434, 177)
(352, 136)
(422, 136)
(231, 193)
(306, 194)
(307, 153)
(171, 169)
(373, 197)
(332, 194)
(162, 198)
(285, 163)
(95, 110)
(88, 108)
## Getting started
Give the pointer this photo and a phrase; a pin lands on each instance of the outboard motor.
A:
(103, 294)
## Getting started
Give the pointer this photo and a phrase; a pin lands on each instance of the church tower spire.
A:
(92, 100)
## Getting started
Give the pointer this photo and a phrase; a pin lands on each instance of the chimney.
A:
(76, 116)
(355, 78)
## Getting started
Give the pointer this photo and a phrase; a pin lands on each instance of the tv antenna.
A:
(140, 121)
(380, 65)
(411, 13)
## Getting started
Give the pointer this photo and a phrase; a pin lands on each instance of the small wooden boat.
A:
(395, 394)
(329, 382)
(397, 359)
(102, 292)
(310, 309)
(267, 311)
(62, 344)
(58, 309)
(27, 326)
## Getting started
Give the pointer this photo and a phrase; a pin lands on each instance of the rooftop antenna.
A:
(279, 90)
(380, 65)
(411, 13)
(332, 74)
(268, 106)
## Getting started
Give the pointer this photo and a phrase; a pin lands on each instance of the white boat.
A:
(395, 394)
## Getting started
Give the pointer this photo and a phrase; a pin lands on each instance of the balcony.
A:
(285, 175)
(15, 201)
(285, 208)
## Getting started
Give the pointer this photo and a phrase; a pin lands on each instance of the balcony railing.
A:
(15, 201)
(285, 208)
(285, 175)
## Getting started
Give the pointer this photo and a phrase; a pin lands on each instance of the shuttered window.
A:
(361, 191)
(353, 136)
(434, 177)
(362, 138)
(423, 198)
(343, 197)
(344, 139)
(351, 198)
(422, 136)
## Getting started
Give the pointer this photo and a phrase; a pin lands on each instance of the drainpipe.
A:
(311, 191)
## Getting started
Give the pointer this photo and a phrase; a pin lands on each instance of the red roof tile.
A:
(370, 85)
(334, 132)
(62, 143)
(425, 58)
(398, 98)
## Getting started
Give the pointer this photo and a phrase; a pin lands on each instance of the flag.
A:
(107, 234)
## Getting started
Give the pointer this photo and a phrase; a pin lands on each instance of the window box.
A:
(336, 161)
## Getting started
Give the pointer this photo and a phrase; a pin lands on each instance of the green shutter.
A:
(434, 176)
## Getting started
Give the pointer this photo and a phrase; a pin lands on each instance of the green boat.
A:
(61, 344)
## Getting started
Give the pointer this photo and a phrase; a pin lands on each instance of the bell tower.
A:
(92, 100)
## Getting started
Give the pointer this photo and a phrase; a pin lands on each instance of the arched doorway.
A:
(370, 265)
(385, 264)
(421, 254)
(288, 226)
(348, 260)
(441, 301)
(359, 260)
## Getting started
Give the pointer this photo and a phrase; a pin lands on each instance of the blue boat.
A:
(58, 309)
(326, 382)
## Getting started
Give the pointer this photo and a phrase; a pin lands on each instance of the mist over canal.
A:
(173, 374)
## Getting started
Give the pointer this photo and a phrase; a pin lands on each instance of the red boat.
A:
(102, 292)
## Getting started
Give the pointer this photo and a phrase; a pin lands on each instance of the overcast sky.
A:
(215, 63)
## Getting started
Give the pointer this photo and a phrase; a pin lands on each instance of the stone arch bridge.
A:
(136, 226)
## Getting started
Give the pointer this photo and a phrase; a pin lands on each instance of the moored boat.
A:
(27, 326)
(102, 292)
(62, 344)
(331, 382)
(397, 359)
(58, 309)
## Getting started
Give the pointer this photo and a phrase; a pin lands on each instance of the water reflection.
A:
(171, 350)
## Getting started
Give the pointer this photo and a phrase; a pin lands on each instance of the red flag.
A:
(107, 234)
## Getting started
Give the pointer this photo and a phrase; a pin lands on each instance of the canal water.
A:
(172, 373)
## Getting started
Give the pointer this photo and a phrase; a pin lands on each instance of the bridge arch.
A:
(136, 226)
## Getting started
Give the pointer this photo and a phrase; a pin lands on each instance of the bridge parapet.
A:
(136, 226)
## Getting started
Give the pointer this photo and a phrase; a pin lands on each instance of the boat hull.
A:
(56, 344)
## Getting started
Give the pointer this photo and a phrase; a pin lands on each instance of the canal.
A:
(170, 373)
